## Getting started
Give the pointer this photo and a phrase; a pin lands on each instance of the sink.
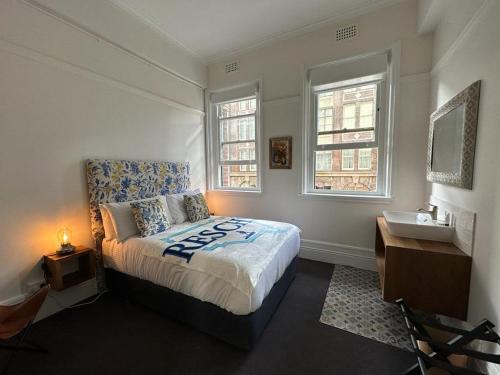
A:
(417, 225)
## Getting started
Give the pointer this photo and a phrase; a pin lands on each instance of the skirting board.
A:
(57, 301)
(328, 252)
(12, 300)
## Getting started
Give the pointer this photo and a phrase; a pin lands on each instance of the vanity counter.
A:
(431, 276)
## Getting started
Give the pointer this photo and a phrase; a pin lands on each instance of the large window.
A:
(347, 128)
(234, 143)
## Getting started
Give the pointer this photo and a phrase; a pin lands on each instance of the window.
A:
(324, 161)
(234, 140)
(365, 159)
(347, 127)
(347, 160)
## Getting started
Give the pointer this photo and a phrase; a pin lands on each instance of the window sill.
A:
(236, 192)
(373, 199)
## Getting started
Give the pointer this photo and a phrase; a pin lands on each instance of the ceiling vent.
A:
(232, 67)
(346, 32)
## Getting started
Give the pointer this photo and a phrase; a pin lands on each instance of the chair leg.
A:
(413, 370)
(5, 367)
(31, 347)
(19, 347)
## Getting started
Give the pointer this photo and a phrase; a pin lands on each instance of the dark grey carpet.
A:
(113, 336)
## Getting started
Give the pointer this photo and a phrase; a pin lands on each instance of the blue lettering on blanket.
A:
(210, 239)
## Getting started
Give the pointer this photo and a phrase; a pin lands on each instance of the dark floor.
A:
(113, 336)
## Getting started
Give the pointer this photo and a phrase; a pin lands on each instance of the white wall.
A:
(66, 95)
(345, 229)
(475, 55)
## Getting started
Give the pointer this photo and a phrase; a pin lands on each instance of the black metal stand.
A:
(20, 345)
(441, 350)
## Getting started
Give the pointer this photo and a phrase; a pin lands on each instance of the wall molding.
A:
(13, 300)
(328, 252)
(281, 101)
(150, 23)
(418, 77)
(464, 34)
(331, 21)
(101, 38)
(40, 57)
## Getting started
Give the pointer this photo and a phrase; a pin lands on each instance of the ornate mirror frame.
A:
(470, 99)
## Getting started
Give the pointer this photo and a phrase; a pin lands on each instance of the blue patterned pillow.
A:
(150, 217)
(196, 207)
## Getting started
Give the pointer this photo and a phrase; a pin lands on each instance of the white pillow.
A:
(176, 206)
(109, 230)
(123, 219)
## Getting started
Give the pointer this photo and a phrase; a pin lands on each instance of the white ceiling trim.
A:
(306, 29)
(232, 53)
(156, 29)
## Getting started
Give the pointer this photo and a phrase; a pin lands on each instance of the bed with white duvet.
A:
(228, 261)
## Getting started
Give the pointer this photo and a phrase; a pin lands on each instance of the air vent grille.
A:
(232, 67)
(346, 32)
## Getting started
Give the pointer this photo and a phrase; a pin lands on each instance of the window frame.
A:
(213, 139)
(385, 118)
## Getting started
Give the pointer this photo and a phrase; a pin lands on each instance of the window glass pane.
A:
(343, 109)
(346, 170)
(237, 108)
(236, 126)
(238, 151)
(238, 176)
(238, 129)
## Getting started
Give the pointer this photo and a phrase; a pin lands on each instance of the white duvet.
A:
(231, 262)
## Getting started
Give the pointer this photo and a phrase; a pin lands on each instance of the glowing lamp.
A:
(64, 237)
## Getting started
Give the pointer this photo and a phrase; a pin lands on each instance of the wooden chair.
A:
(15, 323)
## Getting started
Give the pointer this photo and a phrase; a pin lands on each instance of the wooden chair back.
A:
(13, 319)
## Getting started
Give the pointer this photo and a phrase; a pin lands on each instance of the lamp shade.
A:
(64, 236)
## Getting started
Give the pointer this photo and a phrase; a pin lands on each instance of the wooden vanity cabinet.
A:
(431, 276)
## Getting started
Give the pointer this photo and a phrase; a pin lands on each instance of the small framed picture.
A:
(280, 153)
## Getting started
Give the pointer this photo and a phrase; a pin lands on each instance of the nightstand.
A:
(65, 271)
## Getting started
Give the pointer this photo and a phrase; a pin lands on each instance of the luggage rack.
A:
(440, 351)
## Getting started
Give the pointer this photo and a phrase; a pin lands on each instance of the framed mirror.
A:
(452, 139)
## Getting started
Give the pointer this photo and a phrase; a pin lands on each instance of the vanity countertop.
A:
(411, 243)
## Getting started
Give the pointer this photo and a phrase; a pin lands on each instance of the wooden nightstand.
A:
(81, 266)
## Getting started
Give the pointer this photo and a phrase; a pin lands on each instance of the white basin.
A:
(416, 225)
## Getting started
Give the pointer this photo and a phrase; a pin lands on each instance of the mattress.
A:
(230, 262)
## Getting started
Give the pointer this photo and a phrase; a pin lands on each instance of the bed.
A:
(223, 275)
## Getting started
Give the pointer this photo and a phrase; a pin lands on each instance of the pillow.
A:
(196, 207)
(150, 217)
(122, 218)
(177, 207)
(109, 231)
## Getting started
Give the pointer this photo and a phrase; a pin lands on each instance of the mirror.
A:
(452, 138)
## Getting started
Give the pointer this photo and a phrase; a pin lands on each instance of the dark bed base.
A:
(242, 331)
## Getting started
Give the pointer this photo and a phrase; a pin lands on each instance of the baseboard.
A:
(13, 300)
(328, 252)
(57, 301)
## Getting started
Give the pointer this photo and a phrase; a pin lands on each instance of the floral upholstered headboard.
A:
(126, 180)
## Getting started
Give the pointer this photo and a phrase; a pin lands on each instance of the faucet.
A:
(433, 211)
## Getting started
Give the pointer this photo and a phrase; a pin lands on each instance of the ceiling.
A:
(216, 29)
